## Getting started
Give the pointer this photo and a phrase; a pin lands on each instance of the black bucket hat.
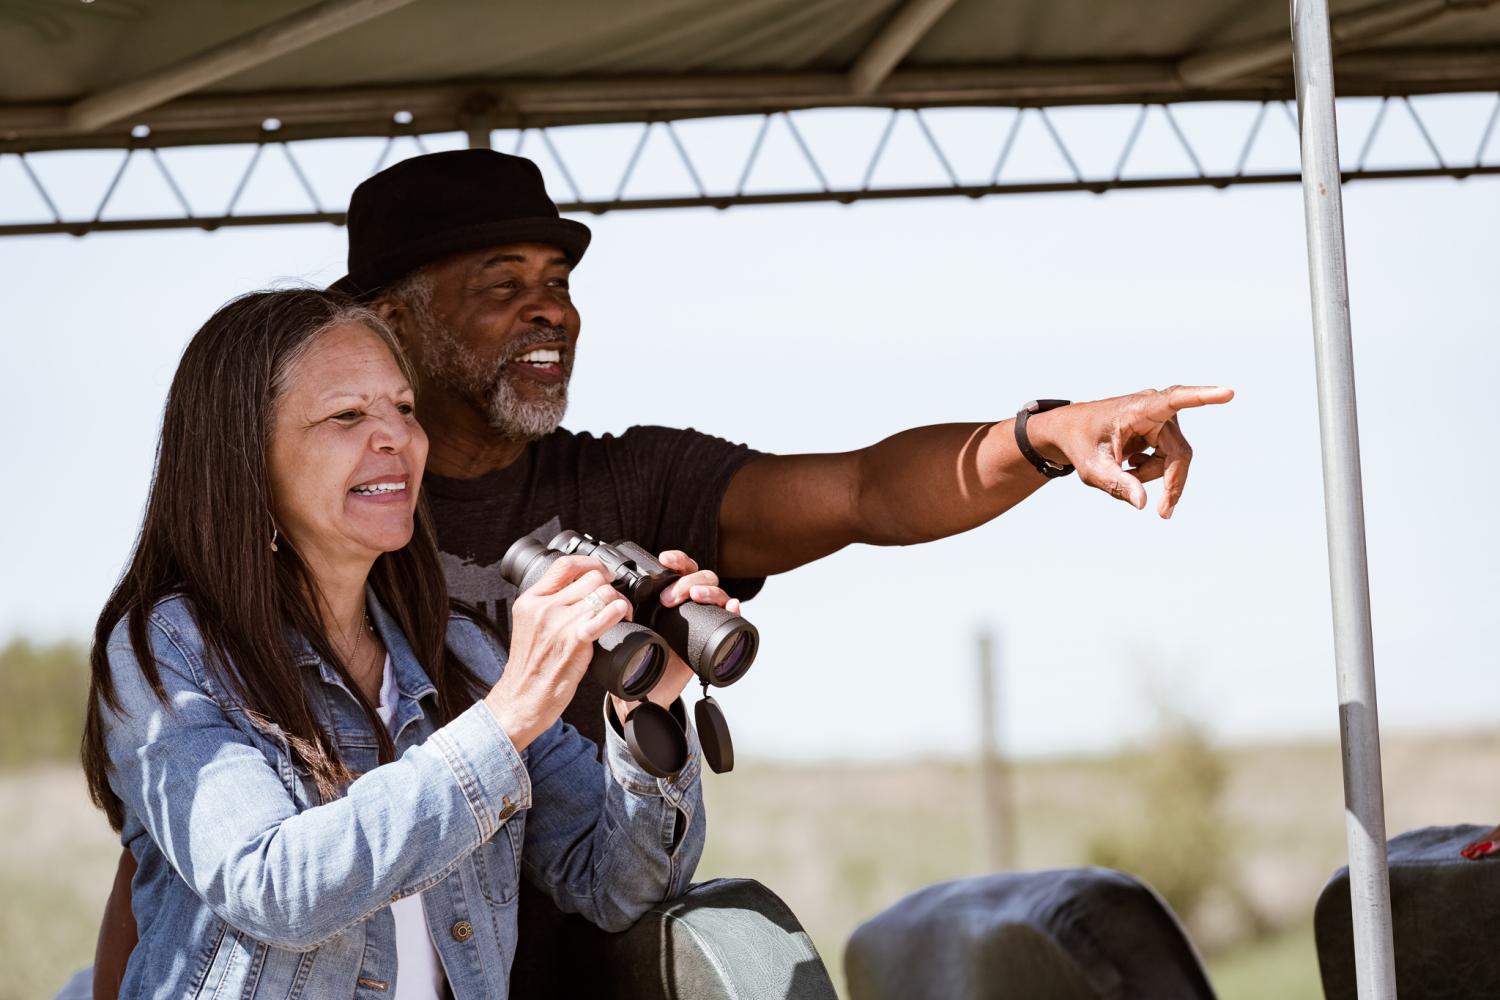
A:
(430, 207)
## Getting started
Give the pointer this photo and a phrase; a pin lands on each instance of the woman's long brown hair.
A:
(206, 535)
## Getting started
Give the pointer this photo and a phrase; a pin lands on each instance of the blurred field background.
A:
(1239, 839)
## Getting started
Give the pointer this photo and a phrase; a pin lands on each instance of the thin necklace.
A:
(374, 650)
(359, 638)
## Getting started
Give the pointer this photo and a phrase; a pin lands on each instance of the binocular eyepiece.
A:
(631, 657)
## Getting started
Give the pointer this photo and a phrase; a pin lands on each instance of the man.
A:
(467, 258)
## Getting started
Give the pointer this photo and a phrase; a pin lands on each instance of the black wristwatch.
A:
(1046, 468)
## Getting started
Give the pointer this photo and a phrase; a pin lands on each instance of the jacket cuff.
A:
(487, 767)
(634, 778)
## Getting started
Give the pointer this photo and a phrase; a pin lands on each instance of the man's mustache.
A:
(535, 337)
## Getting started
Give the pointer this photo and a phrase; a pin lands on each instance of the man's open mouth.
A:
(544, 364)
(542, 357)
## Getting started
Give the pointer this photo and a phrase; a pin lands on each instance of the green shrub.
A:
(1182, 844)
(43, 691)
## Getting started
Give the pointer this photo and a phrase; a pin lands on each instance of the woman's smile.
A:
(383, 490)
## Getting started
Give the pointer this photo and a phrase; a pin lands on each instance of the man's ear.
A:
(394, 314)
(385, 308)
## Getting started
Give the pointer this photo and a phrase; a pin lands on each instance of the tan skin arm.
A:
(116, 933)
(781, 512)
(784, 511)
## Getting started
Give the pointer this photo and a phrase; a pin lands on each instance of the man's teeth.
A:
(542, 357)
(375, 488)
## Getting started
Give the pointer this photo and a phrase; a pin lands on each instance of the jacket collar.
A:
(411, 679)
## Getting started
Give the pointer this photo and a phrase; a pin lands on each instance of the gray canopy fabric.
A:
(84, 73)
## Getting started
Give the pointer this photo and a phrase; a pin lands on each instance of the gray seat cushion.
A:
(730, 938)
(1444, 910)
(1073, 934)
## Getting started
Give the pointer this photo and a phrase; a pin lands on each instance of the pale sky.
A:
(826, 328)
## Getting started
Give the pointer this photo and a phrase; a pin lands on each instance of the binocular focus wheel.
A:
(656, 740)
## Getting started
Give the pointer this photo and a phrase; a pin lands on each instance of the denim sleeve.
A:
(218, 810)
(610, 842)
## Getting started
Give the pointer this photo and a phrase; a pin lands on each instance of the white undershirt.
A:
(419, 972)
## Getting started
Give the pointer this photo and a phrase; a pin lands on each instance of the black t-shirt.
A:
(656, 486)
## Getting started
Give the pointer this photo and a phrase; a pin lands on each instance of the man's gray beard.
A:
(447, 362)
(526, 419)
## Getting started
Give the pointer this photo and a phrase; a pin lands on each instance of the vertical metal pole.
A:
(478, 133)
(999, 831)
(1364, 807)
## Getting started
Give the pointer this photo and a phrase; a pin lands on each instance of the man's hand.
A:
(700, 586)
(1100, 437)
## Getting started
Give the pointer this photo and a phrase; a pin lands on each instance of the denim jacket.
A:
(248, 887)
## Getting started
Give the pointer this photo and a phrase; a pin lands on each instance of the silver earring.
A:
(274, 535)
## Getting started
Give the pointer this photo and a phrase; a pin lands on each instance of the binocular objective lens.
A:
(728, 660)
(646, 661)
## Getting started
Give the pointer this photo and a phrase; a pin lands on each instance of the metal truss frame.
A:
(271, 141)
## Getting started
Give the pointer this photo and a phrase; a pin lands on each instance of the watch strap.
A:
(1049, 469)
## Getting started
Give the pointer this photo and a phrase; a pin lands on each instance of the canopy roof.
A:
(85, 73)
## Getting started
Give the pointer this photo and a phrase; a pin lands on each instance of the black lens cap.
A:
(713, 735)
(656, 740)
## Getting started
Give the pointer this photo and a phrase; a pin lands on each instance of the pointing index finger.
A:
(1184, 397)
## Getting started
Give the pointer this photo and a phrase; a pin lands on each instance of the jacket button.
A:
(462, 931)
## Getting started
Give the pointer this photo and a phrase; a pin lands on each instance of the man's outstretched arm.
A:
(783, 511)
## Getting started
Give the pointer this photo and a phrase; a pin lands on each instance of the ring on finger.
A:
(595, 602)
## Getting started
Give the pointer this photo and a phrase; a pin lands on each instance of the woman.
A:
(329, 784)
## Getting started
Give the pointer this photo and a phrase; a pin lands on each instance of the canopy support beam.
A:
(222, 61)
(900, 35)
(1353, 643)
(208, 223)
(1359, 27)
(211, 118)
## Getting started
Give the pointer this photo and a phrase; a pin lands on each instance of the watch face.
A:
(1032, 406)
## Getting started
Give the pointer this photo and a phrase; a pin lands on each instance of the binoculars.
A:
(631, 657)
